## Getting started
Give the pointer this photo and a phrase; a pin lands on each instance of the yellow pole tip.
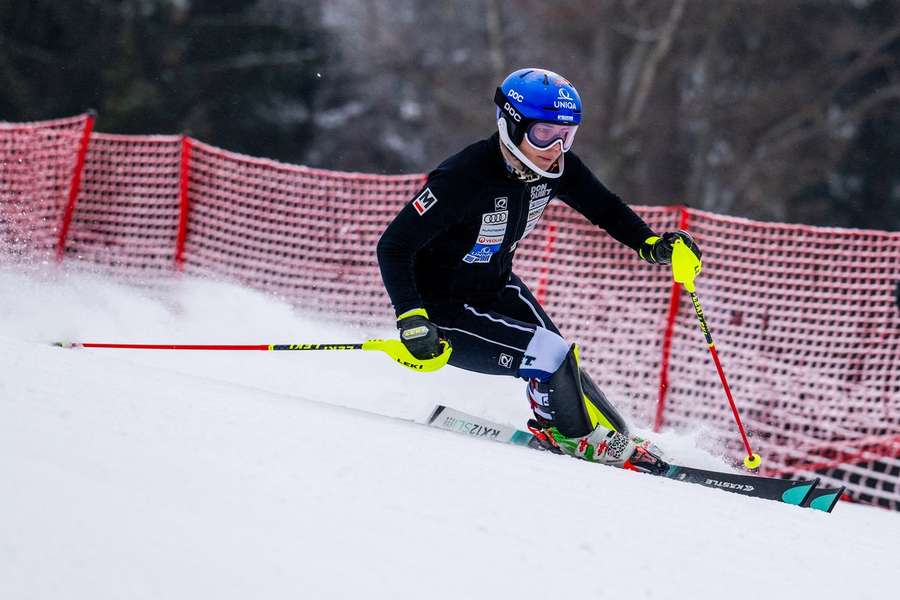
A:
(753, 461)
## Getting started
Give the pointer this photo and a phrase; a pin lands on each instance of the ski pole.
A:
(393, 348)
(686, 266)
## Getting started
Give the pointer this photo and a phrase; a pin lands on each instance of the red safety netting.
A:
(804, 317)
(602, 297)
(37, 162)
(127, 211)
(807, 323)
(308, 235)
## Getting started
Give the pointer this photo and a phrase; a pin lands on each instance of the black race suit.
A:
(450, 250)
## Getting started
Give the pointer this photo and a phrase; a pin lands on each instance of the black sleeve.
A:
(581, 190)
(435, 208)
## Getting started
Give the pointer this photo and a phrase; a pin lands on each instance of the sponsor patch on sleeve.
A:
(424, 201)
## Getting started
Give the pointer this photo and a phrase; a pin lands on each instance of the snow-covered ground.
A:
(141, 474)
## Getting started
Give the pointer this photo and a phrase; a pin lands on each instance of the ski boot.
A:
(612, 448)
(541, 440)
(602, 445)
(572, 416)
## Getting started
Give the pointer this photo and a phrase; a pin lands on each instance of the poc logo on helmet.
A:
(512, 112)
(516, 95)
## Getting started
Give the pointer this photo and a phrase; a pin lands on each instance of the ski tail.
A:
(823, 498)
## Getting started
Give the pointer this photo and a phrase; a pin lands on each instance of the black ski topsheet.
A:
(782, 490)
(804, 493)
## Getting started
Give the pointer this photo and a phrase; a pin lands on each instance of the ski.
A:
(824, 499)
(451, 419)
(803, 493)
(769, 488)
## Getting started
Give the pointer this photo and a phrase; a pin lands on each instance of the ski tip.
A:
(66, 344)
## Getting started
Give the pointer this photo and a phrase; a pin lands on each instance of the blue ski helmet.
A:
(532, 94)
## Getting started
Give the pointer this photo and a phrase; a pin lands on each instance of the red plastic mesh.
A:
(36, 166)
(808, 329)
(305, 234)
(126, 216)
(803, 318)
(601, 296)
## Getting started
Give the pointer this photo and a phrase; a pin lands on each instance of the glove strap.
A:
(415, 312)
(646, 250)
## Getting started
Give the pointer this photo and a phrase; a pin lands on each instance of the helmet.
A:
(530, 96)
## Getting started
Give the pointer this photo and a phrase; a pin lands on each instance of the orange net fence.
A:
(805, 318)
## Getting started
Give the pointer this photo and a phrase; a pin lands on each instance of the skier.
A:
(446, 261)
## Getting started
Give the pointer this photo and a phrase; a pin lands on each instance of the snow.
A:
(142, 474)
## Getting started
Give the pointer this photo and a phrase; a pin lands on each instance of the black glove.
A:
(658, 249)
(419, 335)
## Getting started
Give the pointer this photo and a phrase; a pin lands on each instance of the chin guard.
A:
(514, 149)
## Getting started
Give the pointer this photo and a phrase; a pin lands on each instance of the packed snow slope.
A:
(142, 474)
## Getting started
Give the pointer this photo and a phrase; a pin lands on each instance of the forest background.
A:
(774, 110)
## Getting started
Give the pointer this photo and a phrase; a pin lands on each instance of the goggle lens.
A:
(543, 135)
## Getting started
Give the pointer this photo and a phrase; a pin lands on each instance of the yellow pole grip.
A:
(685, 265)
(397, 351)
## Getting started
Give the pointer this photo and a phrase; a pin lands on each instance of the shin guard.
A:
(576, 405)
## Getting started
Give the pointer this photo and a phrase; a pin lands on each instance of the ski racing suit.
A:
(450, 251)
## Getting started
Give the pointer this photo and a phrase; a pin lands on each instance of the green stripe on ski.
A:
(795, 495)
(672, 472)
(520, 438)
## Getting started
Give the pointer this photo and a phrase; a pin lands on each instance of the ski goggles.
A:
(542, 135)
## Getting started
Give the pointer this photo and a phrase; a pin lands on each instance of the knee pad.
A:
(544, 355)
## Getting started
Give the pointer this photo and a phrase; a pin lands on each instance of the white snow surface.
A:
(164, 474)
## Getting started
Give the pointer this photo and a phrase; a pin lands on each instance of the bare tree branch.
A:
(495, 39)
(253, 60)
(765, 153)
(648, 73)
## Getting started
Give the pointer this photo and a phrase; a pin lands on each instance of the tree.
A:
(240, 74)
(771, 110)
